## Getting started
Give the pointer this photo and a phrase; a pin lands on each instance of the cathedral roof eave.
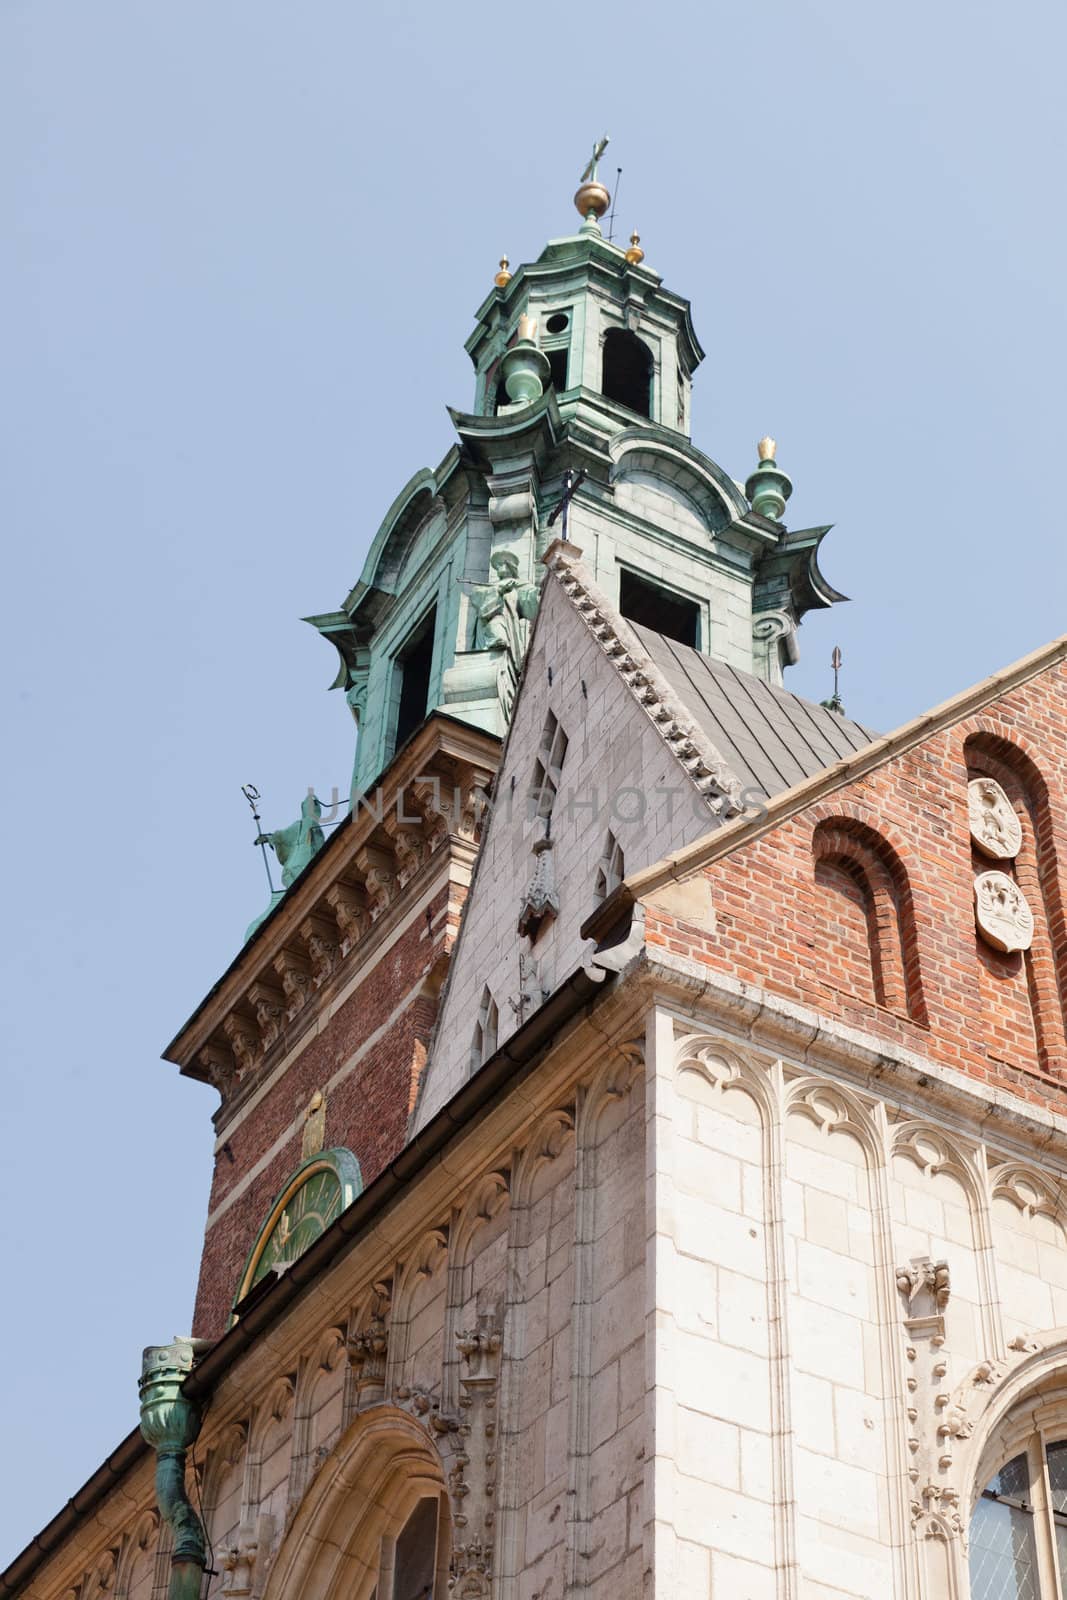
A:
(796, 558)
(539, 425)
(456, 740)
(739, 831)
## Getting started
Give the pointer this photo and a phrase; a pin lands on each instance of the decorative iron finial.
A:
(503, 277)
(592, 199)
(769, 487)
(635, 254)
(524, 368)
(835, 703)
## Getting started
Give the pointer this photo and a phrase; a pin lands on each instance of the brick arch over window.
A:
(866, 899)
(991, 753)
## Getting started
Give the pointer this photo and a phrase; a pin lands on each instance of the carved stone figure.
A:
(1004, 919)
(505, 607)
(995, 827)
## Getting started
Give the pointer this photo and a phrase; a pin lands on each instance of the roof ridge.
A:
(716, 664)
(704, 763)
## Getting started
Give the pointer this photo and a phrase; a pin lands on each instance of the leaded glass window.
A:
(1018, 1543)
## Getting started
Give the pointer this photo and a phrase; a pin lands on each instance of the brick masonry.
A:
(370, 1090)
(998, 1018)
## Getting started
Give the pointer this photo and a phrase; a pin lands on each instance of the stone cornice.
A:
(418, 825)
(756, 1017)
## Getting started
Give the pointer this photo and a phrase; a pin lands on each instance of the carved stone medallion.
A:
(995, 828)
(1001, 912)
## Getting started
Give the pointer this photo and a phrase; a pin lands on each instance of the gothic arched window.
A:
(483, 1042)
(627, 375)
(1018, 1543)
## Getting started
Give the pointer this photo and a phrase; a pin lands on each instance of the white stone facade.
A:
(686, 1315)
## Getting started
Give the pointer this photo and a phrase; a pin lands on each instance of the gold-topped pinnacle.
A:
(635, 254)
(766, 448)
(503, 277)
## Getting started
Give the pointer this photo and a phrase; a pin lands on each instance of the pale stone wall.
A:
(533, 1241)
(629, 783)
(821, 1403)
(687, 1315)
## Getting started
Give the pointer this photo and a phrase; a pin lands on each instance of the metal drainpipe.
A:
(170, 1424)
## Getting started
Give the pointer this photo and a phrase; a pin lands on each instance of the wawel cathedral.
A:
(641, 1146)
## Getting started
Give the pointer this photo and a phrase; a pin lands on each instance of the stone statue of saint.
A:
(505, 607)
(295, 845)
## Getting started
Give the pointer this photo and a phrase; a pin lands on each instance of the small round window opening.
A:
(557, 322)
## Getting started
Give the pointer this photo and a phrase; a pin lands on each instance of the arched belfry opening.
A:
(627, 373)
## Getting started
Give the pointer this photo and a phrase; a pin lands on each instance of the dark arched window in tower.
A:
(413, 688)
(627, 375)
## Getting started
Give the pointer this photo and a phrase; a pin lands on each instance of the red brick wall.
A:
(367, 1111)
(996, 1017)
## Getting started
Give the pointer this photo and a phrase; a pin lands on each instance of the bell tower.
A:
(583, 366)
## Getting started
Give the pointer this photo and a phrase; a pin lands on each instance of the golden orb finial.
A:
(635, 253)
(766, 448)
(503, 277)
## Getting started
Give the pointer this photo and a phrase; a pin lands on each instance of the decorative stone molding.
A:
(380, 883)
(428, 806)
(995, 826)
(532, 990)
(244, 1041)
(321, 940)
(933, 1421)
(313, 1136)
(368, 1349)
(1000, 909)
(243, 1565)
(297, 981)
(349, 906)
(269, 1004)
(473, 1478)
(774, 644)
(541, 901)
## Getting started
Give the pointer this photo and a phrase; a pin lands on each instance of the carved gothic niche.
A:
(368, 1350)
(867, 907)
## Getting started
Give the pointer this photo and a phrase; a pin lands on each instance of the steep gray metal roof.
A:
(772, 739)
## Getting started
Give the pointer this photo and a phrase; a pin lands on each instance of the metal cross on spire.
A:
(572, 482)
(589, 175)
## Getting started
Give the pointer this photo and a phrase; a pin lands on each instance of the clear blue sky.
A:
(242, 248)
